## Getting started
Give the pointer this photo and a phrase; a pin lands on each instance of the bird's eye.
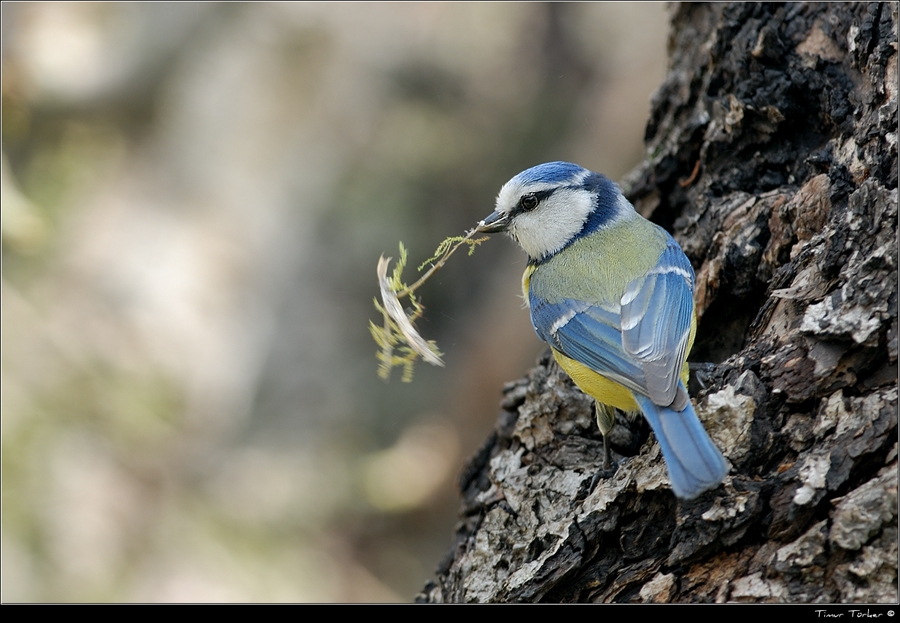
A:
(529, 202)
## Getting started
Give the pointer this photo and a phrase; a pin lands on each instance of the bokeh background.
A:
(194, 198)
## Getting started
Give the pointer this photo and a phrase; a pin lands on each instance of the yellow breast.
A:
(597, 386)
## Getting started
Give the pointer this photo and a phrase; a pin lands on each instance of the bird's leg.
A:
(606, 420)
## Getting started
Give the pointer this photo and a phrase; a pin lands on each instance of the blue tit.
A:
(612, 294)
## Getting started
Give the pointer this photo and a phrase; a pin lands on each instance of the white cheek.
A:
(548, 229)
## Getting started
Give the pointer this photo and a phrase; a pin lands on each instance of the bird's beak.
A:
(493, 223)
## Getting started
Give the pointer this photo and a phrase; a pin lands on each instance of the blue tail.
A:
(694, 463)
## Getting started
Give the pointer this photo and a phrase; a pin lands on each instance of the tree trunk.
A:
(772, 156)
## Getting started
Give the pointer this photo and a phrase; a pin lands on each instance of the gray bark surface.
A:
(772, 156)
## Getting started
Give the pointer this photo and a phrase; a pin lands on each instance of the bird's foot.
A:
(702, 372)
(608, 470)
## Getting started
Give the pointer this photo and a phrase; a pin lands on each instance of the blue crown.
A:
(550, 172)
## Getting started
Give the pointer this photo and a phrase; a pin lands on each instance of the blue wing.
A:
(657, 314)
(590, 335)
(639, 341)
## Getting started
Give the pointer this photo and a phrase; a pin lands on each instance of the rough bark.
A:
(772, 156)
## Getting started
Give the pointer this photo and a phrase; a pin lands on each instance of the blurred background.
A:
(194, 199)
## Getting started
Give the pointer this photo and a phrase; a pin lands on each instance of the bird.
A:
(612, 294)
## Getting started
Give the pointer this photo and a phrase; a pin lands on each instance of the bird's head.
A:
(548, 206)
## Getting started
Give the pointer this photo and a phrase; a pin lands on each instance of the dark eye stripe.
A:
(538, 197)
